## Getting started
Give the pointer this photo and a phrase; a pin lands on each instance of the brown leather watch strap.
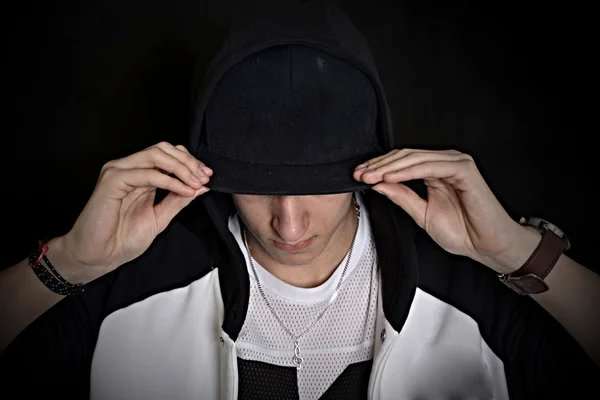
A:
(544, 257)
(529, 279)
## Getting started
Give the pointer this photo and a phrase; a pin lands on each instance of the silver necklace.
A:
(297, 360)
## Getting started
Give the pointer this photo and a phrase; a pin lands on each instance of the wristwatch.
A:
(529, 279)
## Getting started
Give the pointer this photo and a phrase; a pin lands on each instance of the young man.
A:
(310, 269)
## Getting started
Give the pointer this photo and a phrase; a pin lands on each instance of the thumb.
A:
(171, 205)
(405, 197)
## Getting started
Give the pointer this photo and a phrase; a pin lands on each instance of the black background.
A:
(509, 83)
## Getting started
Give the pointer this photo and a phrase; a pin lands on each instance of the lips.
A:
(292, 248)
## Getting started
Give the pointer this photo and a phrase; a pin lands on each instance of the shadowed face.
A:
(295, 230)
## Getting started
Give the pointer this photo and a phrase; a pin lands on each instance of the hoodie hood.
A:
(319, 24)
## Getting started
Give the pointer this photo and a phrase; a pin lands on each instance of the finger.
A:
(416, 155)
(399, 153)
(392, 155)
(187, 158)
(406, 198)
(156, 157)
(124, 181)
(171, 205)
(375, 174)
(374, 160)
(187, 154)
(387, 159)
(361, 169)
(182, 148)
(454, 172)
(379, 161)
(182, 154)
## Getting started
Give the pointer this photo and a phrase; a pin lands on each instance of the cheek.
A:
(258, 220)
(328, 219)
(335, 209)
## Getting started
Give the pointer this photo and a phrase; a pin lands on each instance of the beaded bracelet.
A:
(50, 276)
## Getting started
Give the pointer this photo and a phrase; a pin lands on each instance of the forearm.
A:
(573, 298)
(23, 297)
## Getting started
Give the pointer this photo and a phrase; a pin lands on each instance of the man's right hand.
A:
(120, 220)
(118, 223)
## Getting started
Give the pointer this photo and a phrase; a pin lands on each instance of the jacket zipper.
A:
(379, 368)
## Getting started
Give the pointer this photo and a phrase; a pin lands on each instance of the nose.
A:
(290, 219)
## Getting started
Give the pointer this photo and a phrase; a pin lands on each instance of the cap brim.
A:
(240, 177)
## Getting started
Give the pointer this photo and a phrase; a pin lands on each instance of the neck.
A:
(322, 267)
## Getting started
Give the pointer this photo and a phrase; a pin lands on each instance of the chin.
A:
(295, 259)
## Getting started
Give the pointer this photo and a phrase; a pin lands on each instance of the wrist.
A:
(67, 265)
(525, 240)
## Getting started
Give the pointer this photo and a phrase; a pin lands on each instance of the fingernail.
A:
(361, 166)
(204, 170)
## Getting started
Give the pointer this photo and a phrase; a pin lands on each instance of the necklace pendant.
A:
(297, 360)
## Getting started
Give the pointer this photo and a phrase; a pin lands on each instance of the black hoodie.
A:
(540, 360)
(320, 24)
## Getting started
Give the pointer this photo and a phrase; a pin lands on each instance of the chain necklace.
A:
(297, 360)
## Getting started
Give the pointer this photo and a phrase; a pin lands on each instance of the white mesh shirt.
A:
(344, 335)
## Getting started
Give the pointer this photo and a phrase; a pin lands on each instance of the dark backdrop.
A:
(509, 83)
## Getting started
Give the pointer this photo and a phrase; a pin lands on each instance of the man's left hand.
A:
(461, 213)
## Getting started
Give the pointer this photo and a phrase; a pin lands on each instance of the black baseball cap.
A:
(289, 120)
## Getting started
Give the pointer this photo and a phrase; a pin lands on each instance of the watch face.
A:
(543, 225)
(552, 227)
